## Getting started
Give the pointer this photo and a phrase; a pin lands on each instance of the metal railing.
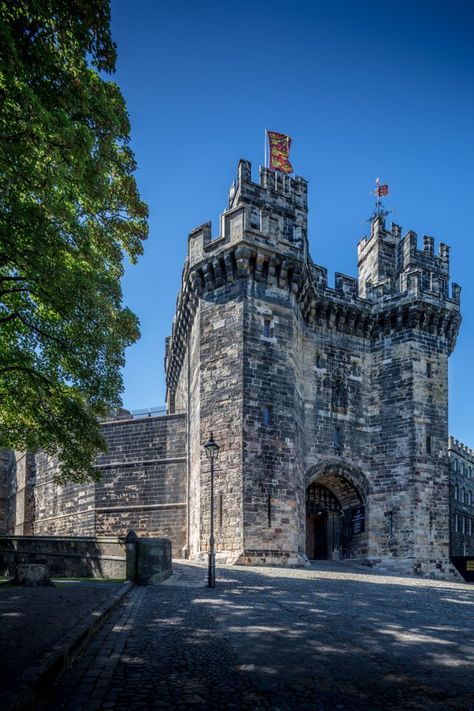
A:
(120, 413)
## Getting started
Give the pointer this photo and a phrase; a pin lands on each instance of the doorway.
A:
(323, 513)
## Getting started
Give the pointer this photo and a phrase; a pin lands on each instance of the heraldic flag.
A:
(280, 152)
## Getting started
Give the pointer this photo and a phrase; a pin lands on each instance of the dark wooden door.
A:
(320, 537)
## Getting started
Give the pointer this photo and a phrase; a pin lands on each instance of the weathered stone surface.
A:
(142, 485)
(32, 575)
(154, 561)
(77, 557)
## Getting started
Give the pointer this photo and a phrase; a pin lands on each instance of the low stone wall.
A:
(102, 557)
(143, 560)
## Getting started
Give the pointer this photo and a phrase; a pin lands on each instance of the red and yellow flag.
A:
(280, 152)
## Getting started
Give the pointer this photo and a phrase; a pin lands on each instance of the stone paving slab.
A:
(329, 637)
(38, 625)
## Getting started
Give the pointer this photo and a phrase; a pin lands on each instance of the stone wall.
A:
(461, 498)
(5, 464)
(20, 502)
(64, 510)
(142, 485)
(102, 557)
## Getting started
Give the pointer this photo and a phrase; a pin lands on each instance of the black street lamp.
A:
(212, 451)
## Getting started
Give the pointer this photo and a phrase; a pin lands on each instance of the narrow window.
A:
(269, 511)
(338, 437)
(255, 218)
(266, 328)
(221, 509)
(428, 444)
(469, 498)
(288, 230)
(463, 524)
(456, 523)
(266, 416)
(318, 360)
(463, 496)
(429, 370)
(469, 527)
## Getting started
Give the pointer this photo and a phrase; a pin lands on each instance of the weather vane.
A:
(381, 190)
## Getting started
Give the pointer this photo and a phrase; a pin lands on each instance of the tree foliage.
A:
(69, 212)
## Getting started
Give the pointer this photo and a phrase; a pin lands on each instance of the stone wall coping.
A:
(137, 420)
(85, 539)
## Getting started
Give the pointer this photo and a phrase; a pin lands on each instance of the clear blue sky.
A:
(364, 88)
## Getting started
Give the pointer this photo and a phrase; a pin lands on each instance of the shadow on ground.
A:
(336, 635)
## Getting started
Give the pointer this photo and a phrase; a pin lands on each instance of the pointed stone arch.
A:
(330, 531)
(348, 482)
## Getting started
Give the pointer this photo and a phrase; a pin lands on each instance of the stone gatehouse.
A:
(329, 403)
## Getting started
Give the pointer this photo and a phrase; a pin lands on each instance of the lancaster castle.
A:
(330, 406)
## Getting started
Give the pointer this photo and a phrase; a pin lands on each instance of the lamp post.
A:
(212, 451)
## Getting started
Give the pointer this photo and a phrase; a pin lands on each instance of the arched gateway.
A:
(336, 511)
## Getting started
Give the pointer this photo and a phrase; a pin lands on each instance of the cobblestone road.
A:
(333, 637)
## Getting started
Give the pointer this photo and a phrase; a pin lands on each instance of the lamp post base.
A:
(211, 573)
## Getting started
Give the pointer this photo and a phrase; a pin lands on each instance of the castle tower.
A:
(330, 404)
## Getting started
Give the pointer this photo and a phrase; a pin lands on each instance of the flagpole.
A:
(265, 150)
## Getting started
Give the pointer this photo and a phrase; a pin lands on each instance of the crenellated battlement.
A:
(270, 213)
(399, 285)
(283, 191)
(455, 446)
(390, 263)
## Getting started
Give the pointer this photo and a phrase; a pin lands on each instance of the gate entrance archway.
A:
(336, 511)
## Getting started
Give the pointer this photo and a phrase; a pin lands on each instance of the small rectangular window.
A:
(318, 360)
(267, 416)
(456, 523)
(429, 370)
(266, 328)
(428, 444)
(338, 437)
(255, 218)
(269, 511)
(463, 524)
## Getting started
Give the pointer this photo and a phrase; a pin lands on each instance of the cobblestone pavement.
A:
(332, 637)
(33, 620)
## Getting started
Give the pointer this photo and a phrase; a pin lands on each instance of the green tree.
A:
(69, 212)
